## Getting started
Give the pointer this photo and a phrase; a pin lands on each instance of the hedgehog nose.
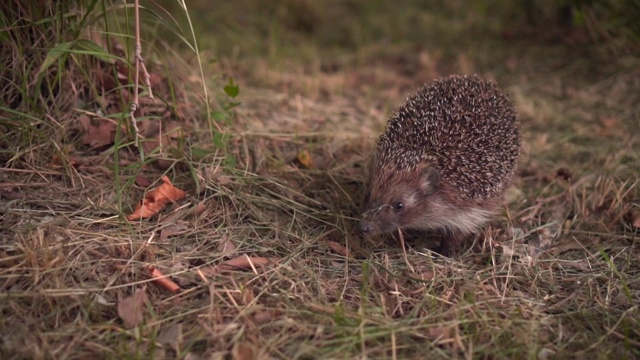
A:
(365, 229)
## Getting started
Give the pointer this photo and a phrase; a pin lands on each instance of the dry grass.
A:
(557, 275)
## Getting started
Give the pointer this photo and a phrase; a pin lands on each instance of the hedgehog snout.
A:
(366, 224)
(365, 228)
(369, 220)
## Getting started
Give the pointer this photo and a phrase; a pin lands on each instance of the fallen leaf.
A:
(155, 80)
(246, 262)
(339, 248)
(304, 157)
(183, 213)
(635, 219)
(163, 281)
(243, 262)
(172, 230)
(131, 309)
(438, 333)
(142, 181)
(171, 335)
(199, 208)
(243, 351)
(99, 299)
(609, 125)
(263, 316)
(56, 161)
(610, 122)
(571, 243)
(97, 132)
(424, 274)
(157, 199)
(226, 246)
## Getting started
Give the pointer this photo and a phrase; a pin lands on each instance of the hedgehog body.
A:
(443, 161)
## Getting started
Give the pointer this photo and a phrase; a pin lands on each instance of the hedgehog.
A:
(443, 161)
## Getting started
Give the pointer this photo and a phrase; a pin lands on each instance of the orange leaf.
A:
(339, 248)
(131, 309)
(163, 281)
(157, 199)
(304, 157)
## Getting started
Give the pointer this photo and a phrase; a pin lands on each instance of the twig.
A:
(404, 252)
(139, 63)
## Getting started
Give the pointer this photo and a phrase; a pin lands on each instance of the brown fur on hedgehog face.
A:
(400, 199)
(418, 199)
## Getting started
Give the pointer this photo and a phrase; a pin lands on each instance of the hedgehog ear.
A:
(429, 180)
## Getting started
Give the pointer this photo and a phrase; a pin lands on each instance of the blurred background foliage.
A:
(610, 27)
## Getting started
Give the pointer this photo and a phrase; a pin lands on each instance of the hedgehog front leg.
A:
(450, 245)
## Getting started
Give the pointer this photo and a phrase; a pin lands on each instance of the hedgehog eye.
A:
(398, 206)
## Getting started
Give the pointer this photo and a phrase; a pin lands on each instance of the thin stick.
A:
(139, 63)
(404, 251)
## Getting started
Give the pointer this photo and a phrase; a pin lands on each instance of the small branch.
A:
(139, 63)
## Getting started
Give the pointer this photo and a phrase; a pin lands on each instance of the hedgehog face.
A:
(398, 198)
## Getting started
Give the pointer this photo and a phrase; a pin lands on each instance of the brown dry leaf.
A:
(199, 208)
(304, 157)
(610, 122)
(172, 230)
(424, 273)
(339, 248)
(438, 333)
(157, 199)
(243, 262)
(171, 335)
(185, 212)
(131, 309)
(244, 351)
(226, 246)
(215, 174)
(571, 243)
(155, 80)
(609, 126)
(56, 161)
(143, 181)
(98, 132)
(163, 281)
(635, 218)
(263, 316)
